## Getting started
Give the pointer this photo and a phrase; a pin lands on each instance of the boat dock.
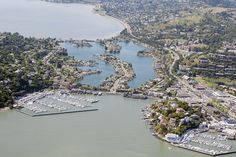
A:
(196, 149)
(53, 113)
(213, 144)
(52, 103)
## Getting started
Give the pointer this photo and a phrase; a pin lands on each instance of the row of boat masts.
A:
(213, 144)
(70, 102)
(30, 102)
(38, 109)
(219, 137)
(35, 109)
(31, 98)
(73, 98)
(202, 150)
(53, 106)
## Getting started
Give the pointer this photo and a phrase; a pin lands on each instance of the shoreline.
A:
(113, 35)
(126, 26)
(185, 143)
(4, 109)
(123, 23)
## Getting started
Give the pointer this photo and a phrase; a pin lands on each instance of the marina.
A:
(51, 103)
(116, 129)
(71, 132)
(207, 143)
(205, 139)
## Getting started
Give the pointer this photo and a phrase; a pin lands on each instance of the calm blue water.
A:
(115, 130)
(141, 65)
(87, 53)
(43, 19)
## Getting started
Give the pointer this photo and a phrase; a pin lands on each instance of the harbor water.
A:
(116, 130)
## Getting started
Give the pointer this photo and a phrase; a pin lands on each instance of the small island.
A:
(192, 127)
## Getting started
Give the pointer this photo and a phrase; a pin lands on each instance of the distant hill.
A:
(224, 3)
(73, 1)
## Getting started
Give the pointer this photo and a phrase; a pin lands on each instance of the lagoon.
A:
(115, 130)
(143, 66)
(64, 21)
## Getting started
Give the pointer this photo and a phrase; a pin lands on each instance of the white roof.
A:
(230, 131)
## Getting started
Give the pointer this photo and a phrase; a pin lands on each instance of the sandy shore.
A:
(123, 23)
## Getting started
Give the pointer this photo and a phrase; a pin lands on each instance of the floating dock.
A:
(52, 113)
(52, 103)
(205, 153)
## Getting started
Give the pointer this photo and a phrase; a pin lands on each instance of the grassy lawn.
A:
(214, 82)
(219, 106)
(194, 59)
(185, 20)
(203, 81)
(215, 10)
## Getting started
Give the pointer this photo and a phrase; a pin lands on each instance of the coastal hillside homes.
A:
(221, 63)
(112, 47)
(173, 116)
(200, 87)
(155, 93)
(232, 111)
(219, 94)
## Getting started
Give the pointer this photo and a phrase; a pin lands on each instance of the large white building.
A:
(230, 133)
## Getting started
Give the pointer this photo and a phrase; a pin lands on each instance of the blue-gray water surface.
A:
(143, 66)
(42, 19)
(115, 130)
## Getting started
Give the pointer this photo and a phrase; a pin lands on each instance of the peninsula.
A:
(193, 46)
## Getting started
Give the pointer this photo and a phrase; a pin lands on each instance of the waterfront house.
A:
(174, 105)
(230, 133)
(172, 138)
(182, 94)
(203, 60)
(199, 87)
(180, 110)
(172, 122)
(155, 94)
(220, 94)
(185, 77)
